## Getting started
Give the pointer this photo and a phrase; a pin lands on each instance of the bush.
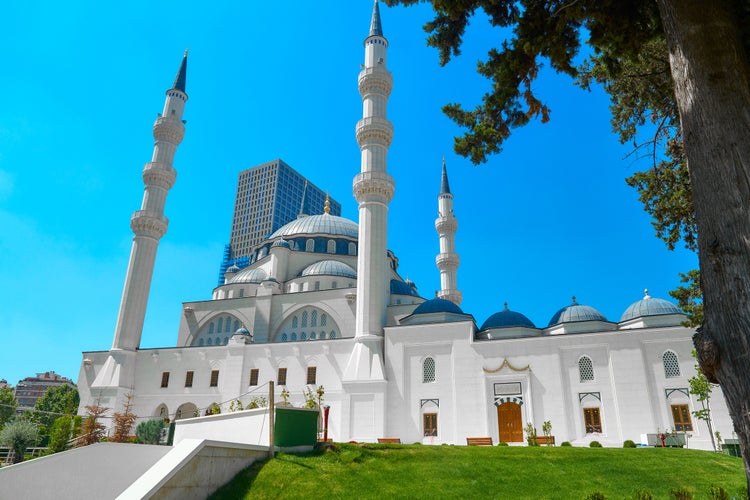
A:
(628, 444)
(595, 444)
(59, 434)
(18, 435)
(717, 493)
(502, 443)
(148, 432)
(681, 493)
(597, 495)
(565, 443)
(642, 495)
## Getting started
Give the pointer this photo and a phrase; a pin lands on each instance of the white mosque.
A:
(322, 303)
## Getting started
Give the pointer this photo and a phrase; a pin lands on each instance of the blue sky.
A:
(548, 218)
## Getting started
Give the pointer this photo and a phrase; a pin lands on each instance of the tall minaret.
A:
(149, 223)
(447, 260)
(373, 188)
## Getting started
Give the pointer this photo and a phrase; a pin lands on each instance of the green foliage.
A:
(56, 401)
(701, 388)
(642, 495)
(597, 495)
(628, 444)
(717, 493)
(59, 434)
(381, 471)
(285, 396)
(595, 444)
(547, 431)
(235, 405)
(690, 297)
(8, 405)
(681, 493)
(566, 443)
(314, 399)
(18, 435)
(213, 409)
(530, 431)
(148, 432)
(257, 402)
(503, 443)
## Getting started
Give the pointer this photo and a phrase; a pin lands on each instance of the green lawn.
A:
(414, 471)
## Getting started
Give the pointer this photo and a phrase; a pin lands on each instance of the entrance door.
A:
(509, 423)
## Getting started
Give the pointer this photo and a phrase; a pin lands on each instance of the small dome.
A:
(437, 305)
(242, 331)
(319, 224)
(329, 268)
(232, 269)
(507, 319)
(281, 243)
(649, 306)
(255, 275)
(399, 287)
(576, 312)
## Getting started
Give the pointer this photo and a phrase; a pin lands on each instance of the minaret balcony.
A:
(369, 185)
(447, 261)
(149, 223)
(376, 79)
(446, 225)
(159, 174)
(454, 296)
(169, 130)
(374, 130)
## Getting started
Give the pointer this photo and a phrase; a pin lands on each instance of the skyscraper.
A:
(268, 196)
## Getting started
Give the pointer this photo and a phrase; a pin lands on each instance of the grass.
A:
(415, 471)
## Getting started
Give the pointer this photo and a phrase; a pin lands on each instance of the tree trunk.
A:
(711, 74)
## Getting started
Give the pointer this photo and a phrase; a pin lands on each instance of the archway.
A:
(510, 423)
(162, 411)
(186, 410)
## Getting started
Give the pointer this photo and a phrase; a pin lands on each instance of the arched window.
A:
(303, 336)
(352, 249)
(221, 324)
(332, 335)
(323, 319)
(226, 340)
(201, 342)
(218, 341)
(211, 328)
(294, 336)
(322, 335)
(229, 326)
(428, 370)
(236, 325)
(331, 246)
(314, 319)
(310, 245)
(585, 369)
(312, 336)
(671, 364)
(304, 319)
(210, 341)
(295, 322)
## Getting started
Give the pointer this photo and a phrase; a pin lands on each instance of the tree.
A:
(18, 435)
(60, 433)
(124, 421)
(709, 55)
(92, 430)
(56, 401)
(8, 405)
(148, 432)
(701, 388)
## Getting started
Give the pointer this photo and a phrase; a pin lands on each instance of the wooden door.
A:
(509, 423)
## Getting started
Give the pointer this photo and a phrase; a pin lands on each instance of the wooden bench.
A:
(389, 440)
(542, 440)
(479, 441)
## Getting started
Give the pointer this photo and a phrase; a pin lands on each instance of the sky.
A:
(548, 218)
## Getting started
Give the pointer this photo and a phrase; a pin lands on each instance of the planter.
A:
(672, 440)
(545, 440)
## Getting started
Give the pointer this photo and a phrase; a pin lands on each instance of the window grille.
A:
(671, 364)
(428, 370)
(165, 379)
(189, 378)
(214, 378)
(585, 369)
(311, 374)
(281, 377)
(254, 376)
(304, 319)
(314, 319)
(323, 320)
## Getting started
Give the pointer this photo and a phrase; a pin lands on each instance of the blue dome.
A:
(255, 275)
(329, 268)
(242, 331)
(318, 224)
(281, 243)
(436, 306)
(576, 312)
(507, 319)
(403, 288)
(649, 306)
(232, 269)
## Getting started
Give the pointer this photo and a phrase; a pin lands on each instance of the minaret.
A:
(447, 260)
(148, 223)
(373, 189)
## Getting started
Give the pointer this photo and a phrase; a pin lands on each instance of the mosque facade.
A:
(322, 303)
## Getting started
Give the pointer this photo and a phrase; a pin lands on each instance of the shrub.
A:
(148, 432)
(595, 444)
(530, 434)
(597, 495)
(59, 434)
(681, 493)
(717, 493)
(502, 443)
(565, 443)
(18, 435)
(628, 444)
(642, 495)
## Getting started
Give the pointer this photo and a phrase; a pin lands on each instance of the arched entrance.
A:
(186, 410)
(509, 423)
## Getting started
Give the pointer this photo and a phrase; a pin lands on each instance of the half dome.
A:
(507, 319)
(649, 306)
(255, 275)
(329, 268)
(576, 312)
(437, 306)
(318, 224)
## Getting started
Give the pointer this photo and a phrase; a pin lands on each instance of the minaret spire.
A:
(179, 80)
(447, 260)
(373, 189)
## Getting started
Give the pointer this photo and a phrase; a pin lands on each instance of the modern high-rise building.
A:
(269, 196)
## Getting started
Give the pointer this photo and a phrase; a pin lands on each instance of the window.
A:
(681, 417)
(165, 379)
(211, 328)
(311, 373)
(592, 420)
(221, 324)
(304, 319)
(228, 326)
(323, 319)
(189, 378)
(214, 378)
(314, 319)
(671, 364)
(428, 370)
(281, 377)
(429, 424)
(254, 376)
(284, 337)
(585, 369)
(294, 322)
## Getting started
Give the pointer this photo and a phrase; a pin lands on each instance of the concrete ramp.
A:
(102, 470)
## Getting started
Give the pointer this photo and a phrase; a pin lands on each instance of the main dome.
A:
(576, 312)
(649, 306)
(318, 224)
